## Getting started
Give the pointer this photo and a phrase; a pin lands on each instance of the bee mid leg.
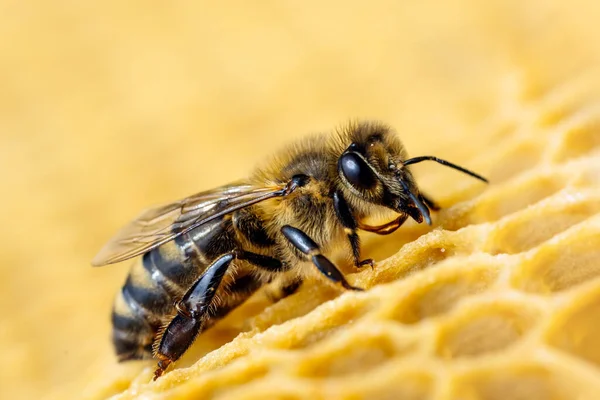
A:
(306, 245)
(283, 289)
(194, 308)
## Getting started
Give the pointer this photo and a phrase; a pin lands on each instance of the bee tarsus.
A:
(367, 261)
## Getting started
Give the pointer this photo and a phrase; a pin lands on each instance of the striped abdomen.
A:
(158, 280)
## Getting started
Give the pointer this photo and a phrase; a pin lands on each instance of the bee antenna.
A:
(415, 160)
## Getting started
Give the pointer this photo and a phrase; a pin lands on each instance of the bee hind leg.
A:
(306, 245)
(191, 319)
(280, 292)
(186, 325)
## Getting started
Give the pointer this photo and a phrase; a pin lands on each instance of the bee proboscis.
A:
(204, 255)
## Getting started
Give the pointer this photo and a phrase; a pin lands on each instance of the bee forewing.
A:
(162, 224)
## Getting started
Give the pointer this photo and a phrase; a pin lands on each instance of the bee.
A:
(206, 254)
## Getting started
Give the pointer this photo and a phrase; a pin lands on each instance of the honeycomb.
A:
(109, 107)
(500, 300)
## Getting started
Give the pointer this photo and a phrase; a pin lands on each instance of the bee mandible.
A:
(204, 255)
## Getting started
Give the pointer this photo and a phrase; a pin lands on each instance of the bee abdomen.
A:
(157, 282)
(132, 340)
(174, 265)
(140, 308)
(132, 334)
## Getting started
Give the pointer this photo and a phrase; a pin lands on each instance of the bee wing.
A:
(162, 224)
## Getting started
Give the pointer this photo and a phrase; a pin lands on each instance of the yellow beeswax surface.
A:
(109, 107)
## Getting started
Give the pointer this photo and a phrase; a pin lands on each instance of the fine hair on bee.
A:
(204, 255)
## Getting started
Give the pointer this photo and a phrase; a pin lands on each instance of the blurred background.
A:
(109, 107)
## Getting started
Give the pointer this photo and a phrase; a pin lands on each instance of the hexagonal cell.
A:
(434, 297)
(562, 264)
(588, 174)
(518, 158)
(536, 225)
(382, 247)
(349, 353)
(514, 198)
(487, 328)
(429, 250)
(517, 382)
(581, 138)
(320, 324)
(310, 296)
(561, 109)
(280, 389)
(576, 330)
(408, 385)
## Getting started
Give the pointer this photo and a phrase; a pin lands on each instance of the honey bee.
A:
(204, 255)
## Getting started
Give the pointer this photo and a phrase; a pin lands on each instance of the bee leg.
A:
(306, 245)
(238, 292)
(183, 329)
(385, 229)
(429, 203)
(281, 292)
(186, 325)
(344, 214)
(291, 288)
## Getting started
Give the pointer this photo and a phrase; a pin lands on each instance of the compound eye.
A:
(356, 171)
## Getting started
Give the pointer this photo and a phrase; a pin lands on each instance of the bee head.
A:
(374, 168)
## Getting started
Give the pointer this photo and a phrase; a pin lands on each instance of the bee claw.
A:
(369, 261)
(161, 368)
(348, 286)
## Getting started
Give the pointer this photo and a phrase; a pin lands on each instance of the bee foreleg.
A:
(344, 214)
(306, 245)
(429, 203)
(385, 229)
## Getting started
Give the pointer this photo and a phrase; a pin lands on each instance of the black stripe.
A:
(189, 250)
(180, 272)
(171, 288)
(153, 300)
(133, 325)
(126, 349)
(214, 238)
(129, 348)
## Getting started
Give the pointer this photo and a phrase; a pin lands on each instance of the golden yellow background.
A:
(108, 107)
